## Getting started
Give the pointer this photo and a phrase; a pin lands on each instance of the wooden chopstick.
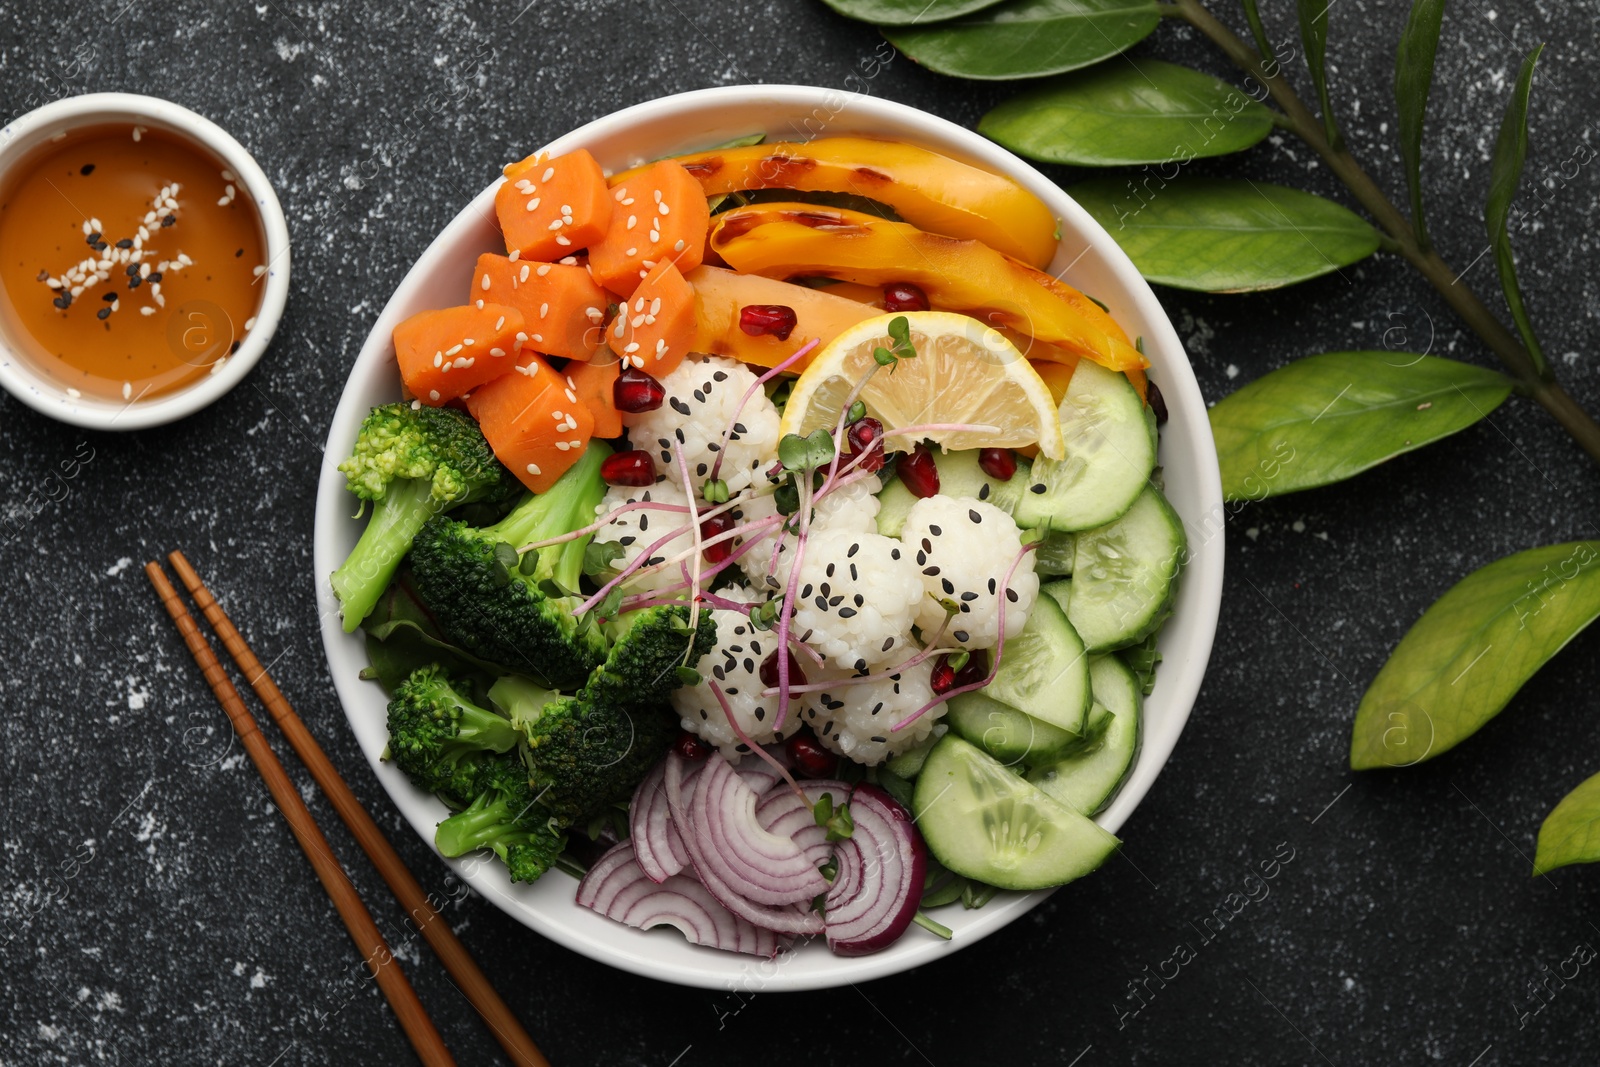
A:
(358, 921)
(474, 985)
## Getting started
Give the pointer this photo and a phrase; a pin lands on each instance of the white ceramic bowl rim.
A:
(683, 123)
(47, 396)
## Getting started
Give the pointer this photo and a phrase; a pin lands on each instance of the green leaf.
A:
(1472, 650)
(1314, 38)
(1413, 78)
(687, 675)
(1224, 235)
(1258, 31)
(906, 12)
(1028, 38)
(1121, 113)
(1325, 418)
(1510, 149)
(1571, 833)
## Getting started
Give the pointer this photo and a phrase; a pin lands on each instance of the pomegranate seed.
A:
(943, 678)
(635, 467)
(1158, 404)
(775, 319)
(866, 435)
(997, 463)
(810, 758)
(769, 670)
(946, 677)
(918, 472)
(713, 527)
(903, 296)
(635, 391)
(691, 747)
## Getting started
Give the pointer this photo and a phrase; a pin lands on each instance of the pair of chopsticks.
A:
(380, 961)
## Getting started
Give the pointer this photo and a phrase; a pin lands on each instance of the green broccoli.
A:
(412, 463)
(491, 601)
(440, 738)
(506, 816)
(589, 750)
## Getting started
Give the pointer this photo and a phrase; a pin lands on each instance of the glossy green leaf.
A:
(1571, 833)
(1510, 150)
(906, 12)
(1314, 39)
(1125, 113)
(1258, 31)
(1224, 235)
(1472, 650)
(1413, 78)
(1028, 38)
(1326, 418)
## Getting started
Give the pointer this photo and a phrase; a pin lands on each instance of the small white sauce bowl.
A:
(18, 374)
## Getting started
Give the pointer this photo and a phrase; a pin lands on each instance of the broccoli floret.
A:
(411, 463)
(474, 583)
(440, 738)
(587, 751)
(507, 818)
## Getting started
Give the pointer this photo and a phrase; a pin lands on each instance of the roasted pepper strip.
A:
(720, 294)
(788, 240)
(928, 190)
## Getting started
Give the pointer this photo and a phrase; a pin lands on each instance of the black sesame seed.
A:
(854, 548)
(855, 576)
(847, 613)
(644, 523)
(703, 714)
(133, 270)
(972, 513)
(170, 220)
(1036, 488)
(761, 714)
(698, 395)
(749, 665)
(701, 469)
(830, 570)
(927, 545)
(861, 665)
(103, 314)
(969, 595)
(239, 253)
(822, 603)
(720, 376)
(1011, 595)
(991, 585)
(680, 407)
(931, 572)
(155, 276)
(933, 530)
(860, 601)
(876, 737)
(894, 553)
(133, 283)
(109, 297)
(983, 491)
(949, 586)
(625, 540)
(86, 170)
(960, 635)
(835, 601)
(63, 301)
(739, 427)
(93, 238)
(888, 643)
(126, 242)
(805, 593)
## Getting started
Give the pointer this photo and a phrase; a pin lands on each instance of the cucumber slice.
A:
(982, 821)
(1100, 716)
(908, 763)
(1044, 671)
(959, 475)
(1111, 452)
(1010, 736)
(1086, 780)
(1124, 574)
(1053, 557)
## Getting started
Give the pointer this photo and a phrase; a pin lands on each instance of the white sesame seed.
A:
(560, 240)
(664, 209)
(549, 172)
(621, 192)
(658, 196)
(621, 326)
(631, 252)
(516, 253)
(544, 309)
(433, 395)
(500, 322)
(249, 324)
(638, 321)
(628, 202)
(533, 469)
(630, 348)
(452, 351)
(497, 351)
(678, 247)
(562, 445)
(544, 268)
(521, 336)
(533, 205)
(438, 358)
(465, 361)
(655, 306)
(538, 338)
(559, 416)
(661, 347)
(480, 305)
(484, 285)
(416, 405)
(655, 235)
(566, 209)
(556, 224)
(261, 268)
(572, 398)
(468, 342)
(632, 221)
(54, 284)
(571, 261)
(571, 384)
(522, 275)
(127, 390)
(147, 311)
(73, 393)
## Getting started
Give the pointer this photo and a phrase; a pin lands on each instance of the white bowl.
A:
(1091, 261)
(18, 139)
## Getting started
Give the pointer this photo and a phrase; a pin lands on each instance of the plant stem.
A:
(1540, 385)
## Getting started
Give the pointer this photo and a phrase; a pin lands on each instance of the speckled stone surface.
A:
(155, 909)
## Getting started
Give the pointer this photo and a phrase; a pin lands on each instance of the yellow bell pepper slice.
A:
(931, 191)
(789, 240)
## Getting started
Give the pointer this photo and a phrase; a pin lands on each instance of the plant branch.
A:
(1298, 118)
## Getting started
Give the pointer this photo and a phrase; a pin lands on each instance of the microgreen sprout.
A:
(900, 346)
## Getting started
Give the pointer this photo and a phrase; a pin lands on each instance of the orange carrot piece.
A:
(658, 214)
(451, 351)
(655, 328)
(594, 383)
(531, 425)
(563, 307)
(550, 207)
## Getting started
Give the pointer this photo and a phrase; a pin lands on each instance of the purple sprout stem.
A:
(752, 746)
(699, 549)
(727, 432)
(786, 609)
(873, 676)
(605, 520)
(638, 560)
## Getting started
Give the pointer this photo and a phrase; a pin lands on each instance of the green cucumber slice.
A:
(907, 764)
(1111, 453)
(959, 475)
(1044, 670)
(1087, 779)
(1124, 575)
(985, 822)
(1053, 557)
(1010, 736)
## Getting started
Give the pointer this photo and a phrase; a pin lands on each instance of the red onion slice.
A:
(618, 888)
(881, 868)
(786, 920)
(725, 837)
(783, 813)
(657, 845)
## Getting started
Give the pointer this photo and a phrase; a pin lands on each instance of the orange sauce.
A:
(112, 283)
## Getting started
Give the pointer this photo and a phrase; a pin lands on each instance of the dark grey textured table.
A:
(155, 909)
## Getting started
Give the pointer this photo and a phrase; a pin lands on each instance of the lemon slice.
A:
(964, 373)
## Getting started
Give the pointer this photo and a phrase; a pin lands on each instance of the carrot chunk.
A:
(655, 328)
(658, 214)
(451, 351)
(563, 307)
(594, 384)
(527, 418)
(550, 207)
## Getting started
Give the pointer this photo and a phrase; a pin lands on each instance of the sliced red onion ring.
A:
(879, 885)
(724, 835)
(784, 920)
(784, 814)
(656, 843)
(618, 888)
